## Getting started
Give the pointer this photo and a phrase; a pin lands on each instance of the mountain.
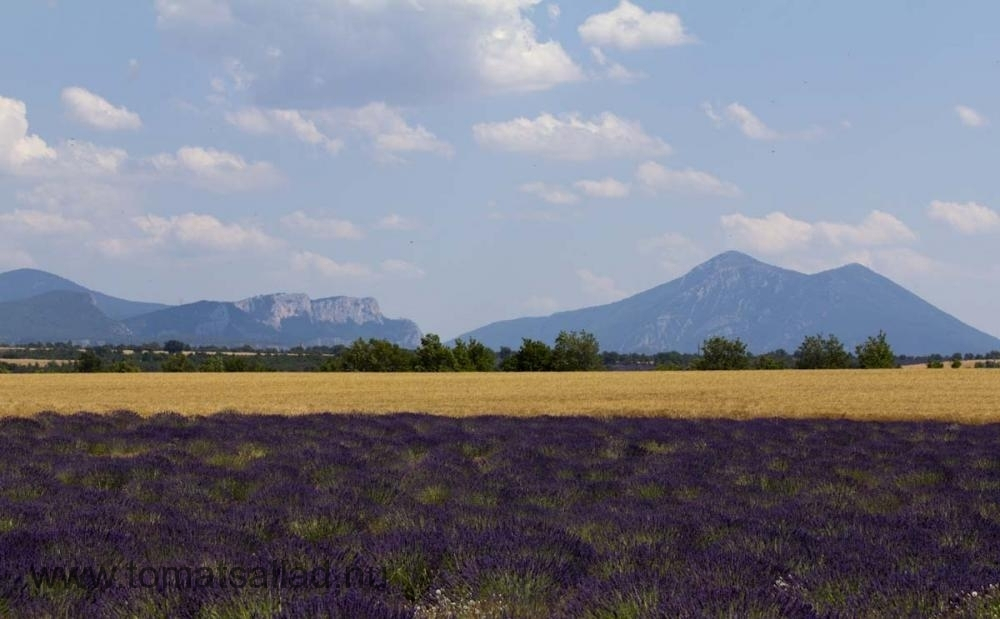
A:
(768, 307)
(58, 316)
(40, 306)
(281, 320)
(26, 283)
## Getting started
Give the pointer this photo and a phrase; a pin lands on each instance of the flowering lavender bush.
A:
(421, 516)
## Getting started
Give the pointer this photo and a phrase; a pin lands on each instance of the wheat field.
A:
(965, 397)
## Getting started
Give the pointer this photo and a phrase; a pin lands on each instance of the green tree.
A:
(482, 358)
(433, 356)
(177, 362)
(124, 366)
(174, 346)
(720, 353)
(875, 353)
(819, 353)
(460, 353)
(88, 362)
(533, 356)
(213, 363)
(576, 351)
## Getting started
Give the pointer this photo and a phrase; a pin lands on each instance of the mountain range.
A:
(36, 306)
(735, 295)
(732, 295)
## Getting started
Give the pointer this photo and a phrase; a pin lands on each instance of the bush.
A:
(935, 364)
(88, 362)
(876, 353)
(957, 363)
(720, 353)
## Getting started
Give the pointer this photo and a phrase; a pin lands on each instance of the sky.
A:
(466, 161)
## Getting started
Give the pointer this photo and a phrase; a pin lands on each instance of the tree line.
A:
(571, 351)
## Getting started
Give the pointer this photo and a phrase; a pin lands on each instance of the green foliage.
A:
(875, 353)
(817, 353)
(177, 362)
(173, 347)
(533, 356)
(433, 356)
(767, 362)
(483, 359)
(956, 363)
(935, 364)
(124, 367)
(372, 356)
(213, 363)
(88, 362)
(576, 351)
(720, 353)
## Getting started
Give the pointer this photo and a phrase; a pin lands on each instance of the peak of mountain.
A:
(39, 306)
(768, 307)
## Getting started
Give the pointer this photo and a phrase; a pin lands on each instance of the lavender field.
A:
(424, 516)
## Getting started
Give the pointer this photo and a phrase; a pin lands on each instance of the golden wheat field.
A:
(966, 397)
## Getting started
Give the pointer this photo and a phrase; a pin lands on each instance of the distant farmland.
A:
(884, 395)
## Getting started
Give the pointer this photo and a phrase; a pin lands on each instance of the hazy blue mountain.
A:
(767, 307)
(26, 283)
(283, 320)
(58, 316)
(40, 306)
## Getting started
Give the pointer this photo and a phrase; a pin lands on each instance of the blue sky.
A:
(465, 161)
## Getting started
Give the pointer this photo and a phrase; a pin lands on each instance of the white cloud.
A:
(753, 127)
(967, 218)
(630, 27)
(192, 13)
(204, 231)
(599, 286)
(540, 305)
(42, 222)
(674, 252)
(394, 221)
(897, 263)
(18, 149)
(613, 70)
(608, 188)
(82, 196)
(351, 51)
(772, 234)
(388, 131)
(95, 111)
(554, 11)
(402, 268)
(283, 123)
(970, 117)
(777, 232)
(553, 194)
(657, 178)
(309, 261)
(216, 170)
(13, 258)
(571, 137)
(325, 228)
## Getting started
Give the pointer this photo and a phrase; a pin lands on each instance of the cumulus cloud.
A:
(202, 231)
(571, 137)
(967, 218)
(327, 267)
(388, 50)
(751, 126)
(215, 170)
(673, 252)
(321, 228)
(290, 123)
(96, 112)
(970, 117)
(599, 286)
(386, 129)
(608, 188)
(612, 70)
(83, 197)
(403, 269)
(777, 232)
(19, 149)
(657, 178)
(42, 223)
(630, 27)
(553, 194)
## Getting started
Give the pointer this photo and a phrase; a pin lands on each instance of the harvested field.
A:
(884, 395)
